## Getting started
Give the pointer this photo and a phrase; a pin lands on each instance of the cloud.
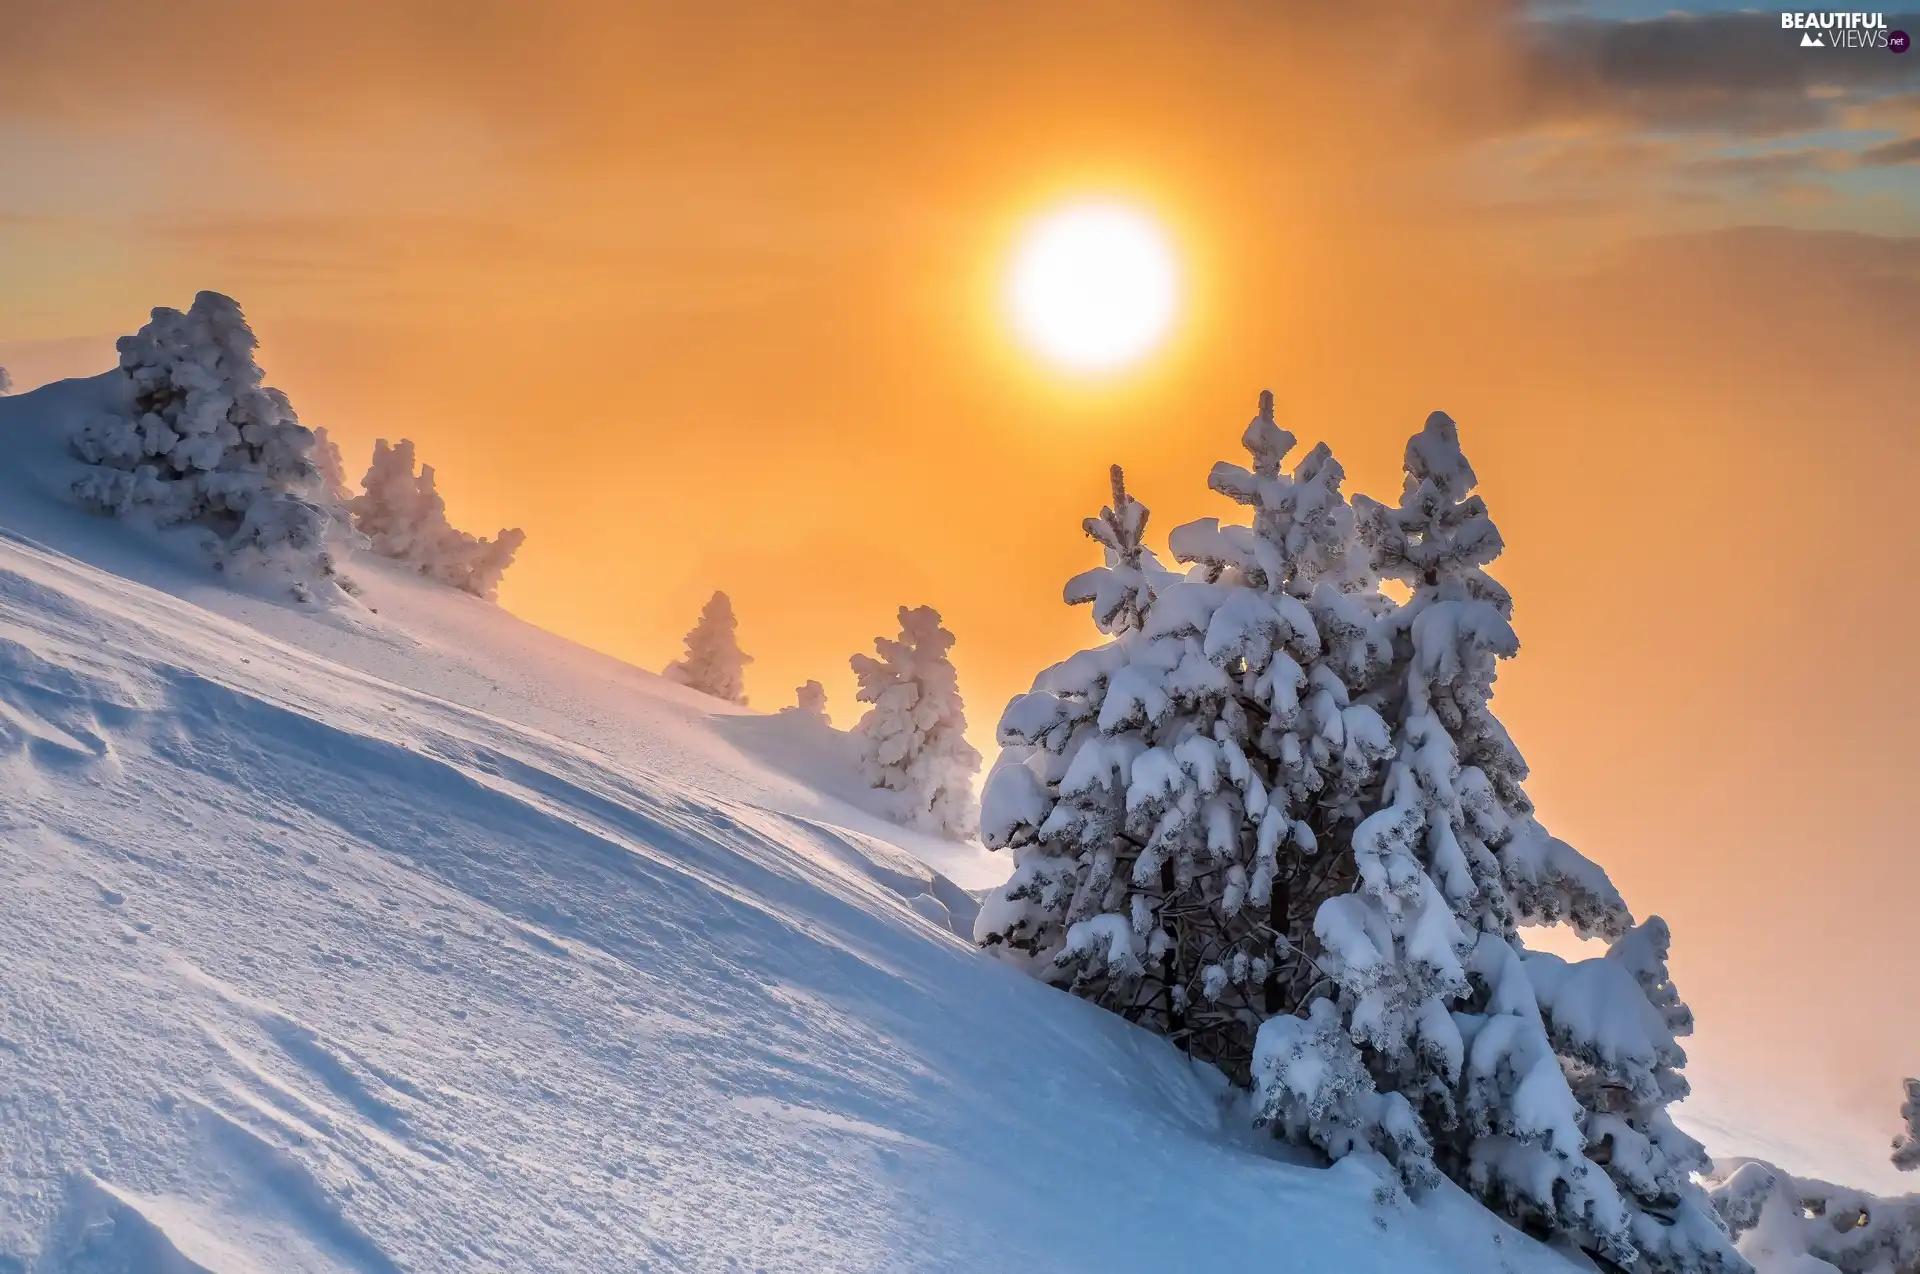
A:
(1732, 72)
(1905, 151)
(822, 112)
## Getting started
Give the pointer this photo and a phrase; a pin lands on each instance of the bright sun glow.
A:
(1093, 286)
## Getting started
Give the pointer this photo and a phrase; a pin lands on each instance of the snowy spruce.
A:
(1273, 817)
(809, 701)
(402, 514)
(204, 441)
(1906, 1145)
(6, 381)
(333, 469)
(714, 663)
(912, 738)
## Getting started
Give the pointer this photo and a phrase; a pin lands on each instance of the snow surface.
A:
(413, 938)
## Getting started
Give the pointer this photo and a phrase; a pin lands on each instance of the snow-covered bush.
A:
(1274, 818)
(913, 741)
(6, 381)
(809, 700)
(402, 514)
(205, 441)
(1795, 1225)
(714, 663)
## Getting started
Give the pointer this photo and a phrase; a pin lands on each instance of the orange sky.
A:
(707, 300)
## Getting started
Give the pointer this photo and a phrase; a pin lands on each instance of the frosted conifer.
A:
(714, 662)
(1523, 1084)
(6, 381)
(913, 738)
(1300, 563)
(1433, 922)
(402, 514)
(333, 470)
(1056, 796)
(1165, 794)
(1906, 1146)
(207, 442)
(810, 700)
(1276, 799)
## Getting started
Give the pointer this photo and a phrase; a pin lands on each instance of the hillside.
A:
(417, 939)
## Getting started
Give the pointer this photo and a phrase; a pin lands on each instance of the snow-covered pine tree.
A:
(1316, 749)
(1615, 1022)
(404, 516)
(474, 564)
(912, 739)
(1233, 734)
(1293, 620)
(1906, 1145)
(207, 442)
(391, 511)
(333, 469)
(714, 663)
(1082, 906)
(1486, 1077)
(1165, 794)
(6, 381)
(809, 700)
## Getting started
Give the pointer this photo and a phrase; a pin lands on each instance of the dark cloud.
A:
(1905, 151)
(1772, 165)
(1734, 72)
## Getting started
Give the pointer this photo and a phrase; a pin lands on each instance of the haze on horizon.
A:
(708, 299)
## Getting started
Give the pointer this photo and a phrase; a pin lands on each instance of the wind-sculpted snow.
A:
(306, 970)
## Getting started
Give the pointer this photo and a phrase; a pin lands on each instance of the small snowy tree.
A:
(207, 442)
(393, 510)
(333, 469)
(810, 700)
(6, 381)
(1906, 1146)
(403, 515)
(714, 662)
(913, 740)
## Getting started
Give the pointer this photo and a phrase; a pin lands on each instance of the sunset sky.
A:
(710, 296)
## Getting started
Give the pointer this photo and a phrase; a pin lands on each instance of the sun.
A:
(1094, 286)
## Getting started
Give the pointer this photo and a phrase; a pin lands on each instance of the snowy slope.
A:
(416, 939)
